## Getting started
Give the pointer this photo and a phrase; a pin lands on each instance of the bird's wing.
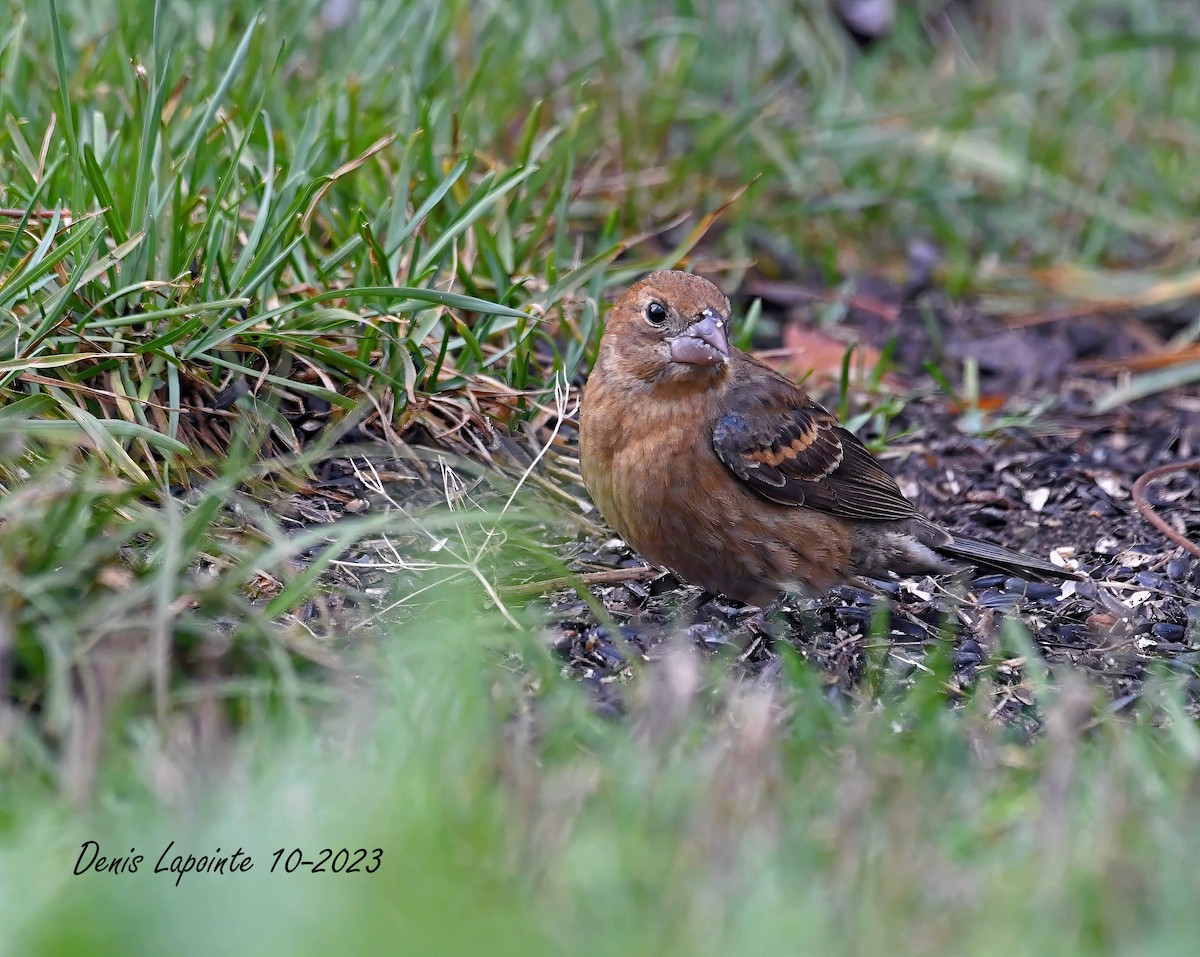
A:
(790, 450)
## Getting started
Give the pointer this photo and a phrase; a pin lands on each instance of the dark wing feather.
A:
(790, 450)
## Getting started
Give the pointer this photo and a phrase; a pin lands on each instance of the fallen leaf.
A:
(812, 351)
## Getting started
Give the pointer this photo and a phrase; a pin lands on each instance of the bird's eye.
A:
(656, 313)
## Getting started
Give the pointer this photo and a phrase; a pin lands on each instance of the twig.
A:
(1151, 516)
(612, 576)
(36, 214)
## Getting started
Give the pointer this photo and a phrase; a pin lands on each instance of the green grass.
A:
(718, 817)
(216, 219)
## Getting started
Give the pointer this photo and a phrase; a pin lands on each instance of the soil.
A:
(1059, 481)
(1030, 466)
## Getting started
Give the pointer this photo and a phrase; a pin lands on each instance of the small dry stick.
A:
(1151, 516)
(36, 214)
(610, 577)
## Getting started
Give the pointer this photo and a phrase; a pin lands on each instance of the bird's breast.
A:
(662, 492)
(638, 469)
(658, 482)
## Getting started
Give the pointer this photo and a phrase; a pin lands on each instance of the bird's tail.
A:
(987, 555)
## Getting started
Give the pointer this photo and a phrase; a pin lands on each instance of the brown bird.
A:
(710, 463)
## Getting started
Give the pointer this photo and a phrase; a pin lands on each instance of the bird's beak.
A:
(703, 343)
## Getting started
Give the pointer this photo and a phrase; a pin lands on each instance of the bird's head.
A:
(671, 327)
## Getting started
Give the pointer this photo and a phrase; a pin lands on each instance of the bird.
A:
(710, 463)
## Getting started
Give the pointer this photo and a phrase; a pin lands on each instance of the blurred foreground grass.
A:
(216, 217)
(719, 817)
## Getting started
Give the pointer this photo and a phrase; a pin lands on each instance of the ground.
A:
(1061, 482)
(1032, 466)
